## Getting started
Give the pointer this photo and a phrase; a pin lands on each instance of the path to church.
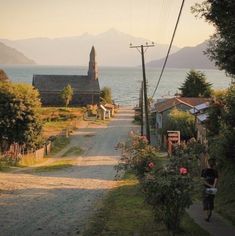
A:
(60, 202)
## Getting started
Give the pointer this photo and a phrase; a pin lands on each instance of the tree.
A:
(195, 85)
(106, 95)
(221, 125)
(222, 43)
(182, 121)
(19, 117)
(67, 94)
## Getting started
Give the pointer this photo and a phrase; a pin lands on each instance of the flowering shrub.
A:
(189, 154)
(168, 190)
(138, 156)
(183, 171)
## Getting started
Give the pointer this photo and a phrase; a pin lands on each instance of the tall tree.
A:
(67, 94)
(195, 85)
(222, 43)
(19, 119)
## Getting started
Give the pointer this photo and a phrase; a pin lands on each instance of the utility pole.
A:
(141, 109)
(141, 48)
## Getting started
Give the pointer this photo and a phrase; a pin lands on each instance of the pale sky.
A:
(151, 19)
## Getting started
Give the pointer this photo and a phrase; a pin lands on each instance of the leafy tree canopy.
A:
(106, 94)
(222, 44)
(195, 85)
(221, 124)
(19, 119)
(67, 94)
(181, 121)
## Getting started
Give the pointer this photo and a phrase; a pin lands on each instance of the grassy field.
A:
(57, 119)
(124, 212)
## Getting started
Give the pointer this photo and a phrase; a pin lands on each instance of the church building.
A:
(86, 89)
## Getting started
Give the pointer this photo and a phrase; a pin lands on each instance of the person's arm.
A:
(215, 182)
(208, 185)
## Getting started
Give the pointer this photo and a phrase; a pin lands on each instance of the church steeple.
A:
(93, 70)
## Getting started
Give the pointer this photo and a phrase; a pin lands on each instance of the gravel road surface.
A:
(60, 202)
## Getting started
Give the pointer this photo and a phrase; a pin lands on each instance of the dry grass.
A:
(57, 165)
(73, 151)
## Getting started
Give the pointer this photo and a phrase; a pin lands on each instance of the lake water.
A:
(124, 82)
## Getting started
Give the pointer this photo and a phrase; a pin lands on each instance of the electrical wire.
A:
(169, 49)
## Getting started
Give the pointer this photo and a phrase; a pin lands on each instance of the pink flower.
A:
(183, 171)
(143, 138)
(151, 165)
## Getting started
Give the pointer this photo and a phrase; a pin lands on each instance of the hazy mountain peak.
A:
(187, 57)
(112, 47)
(11, 56)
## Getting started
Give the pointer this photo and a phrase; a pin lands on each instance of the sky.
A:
(150, 19)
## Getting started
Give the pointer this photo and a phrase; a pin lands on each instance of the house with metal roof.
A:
(201, 116)
(86, 89)
(162, 109)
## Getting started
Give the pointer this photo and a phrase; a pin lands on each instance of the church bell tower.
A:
(93, 69)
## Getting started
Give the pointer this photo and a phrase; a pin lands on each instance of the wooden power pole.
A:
(141, 109)
(141, 48)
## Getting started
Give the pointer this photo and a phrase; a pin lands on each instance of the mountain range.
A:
(112, 49)
(11, 56)
(187, 57)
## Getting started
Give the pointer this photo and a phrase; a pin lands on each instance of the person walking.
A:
(210, 180)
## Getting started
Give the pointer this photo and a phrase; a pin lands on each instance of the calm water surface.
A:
(124, 82)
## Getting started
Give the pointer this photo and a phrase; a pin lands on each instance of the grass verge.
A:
(59, 143)
(57, 165)
(124, 212)
(73, 151)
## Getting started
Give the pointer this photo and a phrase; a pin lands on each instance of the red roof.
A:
(171, 102)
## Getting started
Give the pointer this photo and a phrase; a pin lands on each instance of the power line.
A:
(169, 49)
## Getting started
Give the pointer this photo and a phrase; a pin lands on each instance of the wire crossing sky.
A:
(150, 19)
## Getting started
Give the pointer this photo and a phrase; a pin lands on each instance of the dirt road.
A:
(59, 202)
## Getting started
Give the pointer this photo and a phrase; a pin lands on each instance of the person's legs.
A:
(210, 206)
(206, 206)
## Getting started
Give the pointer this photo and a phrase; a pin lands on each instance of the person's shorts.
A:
(208, 201)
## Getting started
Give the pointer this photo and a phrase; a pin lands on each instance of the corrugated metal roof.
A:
(199, 108)
(202, 117)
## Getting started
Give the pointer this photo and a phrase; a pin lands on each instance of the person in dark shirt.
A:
(210, 179)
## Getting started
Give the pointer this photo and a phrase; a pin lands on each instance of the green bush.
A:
(138, 156)
(169, 192)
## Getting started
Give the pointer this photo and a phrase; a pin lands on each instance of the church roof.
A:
(53, 83)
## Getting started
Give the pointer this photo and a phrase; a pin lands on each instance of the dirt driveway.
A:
(59, 202)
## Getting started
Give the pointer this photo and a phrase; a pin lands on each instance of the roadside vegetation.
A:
(106, 95)
(59, 143)
(56, 120)
(57, 165)
(125, 212)
(73, 151)
(153, 195)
